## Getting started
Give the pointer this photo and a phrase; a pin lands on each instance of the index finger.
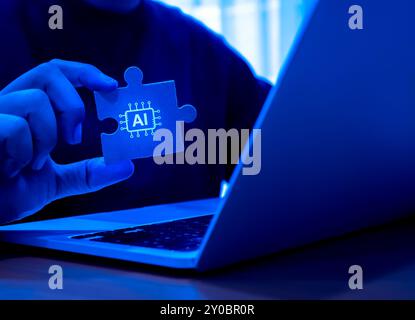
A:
(79, 75)
(85, 75)
(58, 79)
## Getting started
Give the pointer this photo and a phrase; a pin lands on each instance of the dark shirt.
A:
(166, 45)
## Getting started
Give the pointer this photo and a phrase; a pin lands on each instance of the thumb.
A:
(89, 175)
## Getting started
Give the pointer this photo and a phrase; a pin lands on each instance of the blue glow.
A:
(223, 189)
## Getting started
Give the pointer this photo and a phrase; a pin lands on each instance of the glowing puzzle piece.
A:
(140, 109)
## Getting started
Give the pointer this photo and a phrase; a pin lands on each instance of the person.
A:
(49, 130)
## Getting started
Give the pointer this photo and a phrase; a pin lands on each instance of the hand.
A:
(34, 109)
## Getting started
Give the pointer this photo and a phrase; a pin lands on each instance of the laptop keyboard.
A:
(178, 235)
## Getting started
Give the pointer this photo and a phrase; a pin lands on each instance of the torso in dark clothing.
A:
(166, 45)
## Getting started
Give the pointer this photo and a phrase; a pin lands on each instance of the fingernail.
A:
(39, 163)
(77, 135)
(124, 169)
(100, 174)
(108, 80)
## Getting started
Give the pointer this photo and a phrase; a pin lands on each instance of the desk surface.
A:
(319, 271)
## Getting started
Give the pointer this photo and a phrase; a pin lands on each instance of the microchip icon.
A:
(143, 119)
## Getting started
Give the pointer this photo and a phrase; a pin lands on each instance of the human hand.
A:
(34, 109)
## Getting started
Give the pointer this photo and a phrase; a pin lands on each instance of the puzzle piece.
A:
(140, 109)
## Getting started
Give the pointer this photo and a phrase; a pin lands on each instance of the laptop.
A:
(338, 154)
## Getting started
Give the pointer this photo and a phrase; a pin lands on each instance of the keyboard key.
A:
(178, 235)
